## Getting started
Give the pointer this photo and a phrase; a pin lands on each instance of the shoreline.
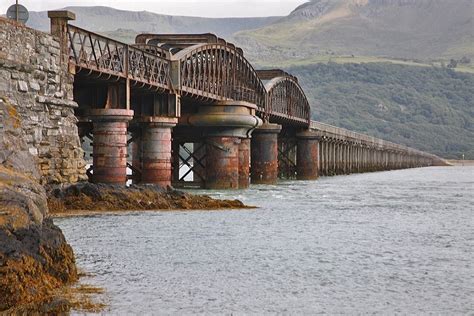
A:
(88, 199)
(461, 163)
(85, 213)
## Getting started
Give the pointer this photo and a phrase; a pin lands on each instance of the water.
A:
(388, 242)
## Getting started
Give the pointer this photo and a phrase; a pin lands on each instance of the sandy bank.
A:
(461, 162)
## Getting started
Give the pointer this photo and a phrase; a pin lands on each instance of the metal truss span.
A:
(212, 69)
(219, 72)
(286, 101)
(198, 66)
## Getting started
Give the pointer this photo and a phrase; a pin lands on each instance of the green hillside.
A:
(431, 109)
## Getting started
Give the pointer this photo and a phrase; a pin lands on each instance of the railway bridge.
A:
(191, 110)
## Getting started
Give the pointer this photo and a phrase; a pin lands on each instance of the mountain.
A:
(414, 29)
(129, 23)
(408, 29)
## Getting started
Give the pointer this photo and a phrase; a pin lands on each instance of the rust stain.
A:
(12, 113)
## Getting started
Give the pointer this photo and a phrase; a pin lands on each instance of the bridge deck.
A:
(341, 134)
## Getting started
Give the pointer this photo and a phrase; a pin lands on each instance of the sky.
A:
(204, 8)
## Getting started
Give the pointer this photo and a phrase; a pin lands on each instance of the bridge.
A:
(190, 110)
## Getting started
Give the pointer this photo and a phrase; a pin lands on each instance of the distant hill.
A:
(410, 29)
(415, 29)
(129, 23)
(428, 108)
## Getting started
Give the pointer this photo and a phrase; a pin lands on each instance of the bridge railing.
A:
(344, 134)
(94, 52)
(146, 67)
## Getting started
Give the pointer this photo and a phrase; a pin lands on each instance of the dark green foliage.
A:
(431, 109)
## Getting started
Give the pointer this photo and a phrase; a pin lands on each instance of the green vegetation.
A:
(286, 63)
(428, 108)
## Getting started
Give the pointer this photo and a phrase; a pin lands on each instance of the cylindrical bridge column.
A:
(156, 149)
(264, 154)
(227, 127)
(307, 156)
(222, 169)
(110, 145)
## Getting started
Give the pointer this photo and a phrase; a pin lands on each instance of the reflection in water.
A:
(387, 242)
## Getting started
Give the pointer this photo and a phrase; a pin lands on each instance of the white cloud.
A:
(205, 8)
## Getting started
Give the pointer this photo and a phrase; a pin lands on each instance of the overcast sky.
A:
(204, 8)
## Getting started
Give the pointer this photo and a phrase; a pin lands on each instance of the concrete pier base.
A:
(264, 154)
(307, 156)
(156, 149)
(110, 145)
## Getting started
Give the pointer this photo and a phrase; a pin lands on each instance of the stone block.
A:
(52, 132)
(55, 112)
(39, 75)
(45, 40)
(15, 75)
(59, 94)
(67, 172)
(22, 86)
(73, 178)
(54, 50)
(33, 151)
(26, 68)
(54, 43)
(34, 85)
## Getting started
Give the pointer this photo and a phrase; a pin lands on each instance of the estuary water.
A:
(386, 242)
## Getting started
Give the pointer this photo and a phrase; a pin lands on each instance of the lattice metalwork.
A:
(219, 72)
(192, 163)
(287, 158)
(98, 53)
(146, 67)
(95, 52)
(287, 101)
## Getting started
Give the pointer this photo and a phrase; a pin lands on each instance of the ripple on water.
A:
(388, 242)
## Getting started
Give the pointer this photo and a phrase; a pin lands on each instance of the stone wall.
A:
(40, 89)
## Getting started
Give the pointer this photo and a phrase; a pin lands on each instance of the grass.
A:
(286, 63)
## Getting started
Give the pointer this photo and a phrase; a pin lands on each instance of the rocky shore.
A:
(40, 154)
(83, 198)
(35, 258)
